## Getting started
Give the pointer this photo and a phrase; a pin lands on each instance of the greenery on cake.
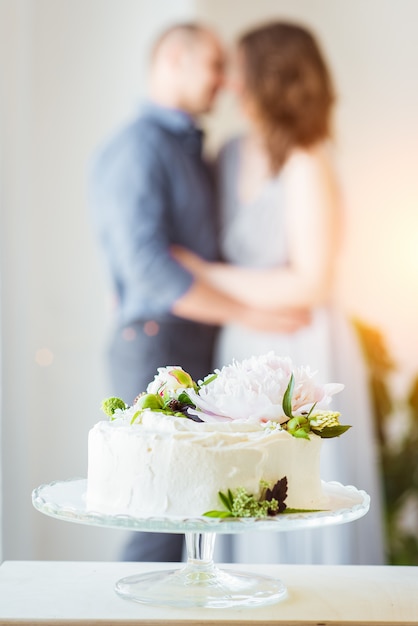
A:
(111, 405)
(326, 424)
(240, 503)
(267, 389)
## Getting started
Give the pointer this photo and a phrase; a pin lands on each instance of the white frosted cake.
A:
(246, 429)
(174, 466)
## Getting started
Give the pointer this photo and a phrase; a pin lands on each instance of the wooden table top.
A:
(67, 593)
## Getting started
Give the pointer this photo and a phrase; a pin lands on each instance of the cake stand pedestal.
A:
(200, 583)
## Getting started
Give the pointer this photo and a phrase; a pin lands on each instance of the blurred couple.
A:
(247, 244)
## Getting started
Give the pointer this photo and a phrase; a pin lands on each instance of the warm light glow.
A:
(44, 357)
(380, 281)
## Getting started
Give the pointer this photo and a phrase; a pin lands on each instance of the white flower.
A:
(170, 380)
(126, 414)
(254, 388)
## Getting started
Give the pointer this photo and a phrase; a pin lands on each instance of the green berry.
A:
(298, 427)
(109, 405)
(150, 401)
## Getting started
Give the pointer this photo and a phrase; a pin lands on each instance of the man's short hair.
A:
(187, 32)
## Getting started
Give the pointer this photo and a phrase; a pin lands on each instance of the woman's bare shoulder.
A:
(316, 162)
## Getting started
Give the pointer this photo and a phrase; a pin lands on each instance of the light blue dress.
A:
(253, 235)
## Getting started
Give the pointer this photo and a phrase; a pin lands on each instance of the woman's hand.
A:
(311, 225)
(278, 320)
(285, 321)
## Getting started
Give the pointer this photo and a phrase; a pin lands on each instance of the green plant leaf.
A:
(225, 501)
(311, 409)
(208, 380)
(331, 431)
(184, 398)
(287, 398)
(217, 514)
(135, 416)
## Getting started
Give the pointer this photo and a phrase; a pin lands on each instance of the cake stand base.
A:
(200, 583)
(201, 586)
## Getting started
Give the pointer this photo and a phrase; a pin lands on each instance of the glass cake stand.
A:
(199, 583)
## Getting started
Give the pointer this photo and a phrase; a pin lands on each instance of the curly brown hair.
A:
(290, 86)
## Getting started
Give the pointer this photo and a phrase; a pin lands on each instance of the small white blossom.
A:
(126, 414)
(170, 380)
(272, 426)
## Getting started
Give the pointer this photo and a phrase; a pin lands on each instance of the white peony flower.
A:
(254, 388)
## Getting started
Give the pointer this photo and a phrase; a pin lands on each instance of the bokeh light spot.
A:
(151, 328)
(44, 357)
(129, 333)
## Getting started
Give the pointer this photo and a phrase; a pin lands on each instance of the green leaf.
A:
(287, 398)
(230, 498)
(184, 398)
(311, 409)
(225, 501)
(217, 514)
(135, 416)
(331, 431)
(208, 380)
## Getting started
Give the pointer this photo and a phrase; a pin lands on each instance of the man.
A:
(151, 189)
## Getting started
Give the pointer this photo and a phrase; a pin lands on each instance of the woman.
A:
(280, 223)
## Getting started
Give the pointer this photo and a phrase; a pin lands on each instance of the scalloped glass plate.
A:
(199, 583)
(66, 500)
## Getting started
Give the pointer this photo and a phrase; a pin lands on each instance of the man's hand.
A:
(189, 260)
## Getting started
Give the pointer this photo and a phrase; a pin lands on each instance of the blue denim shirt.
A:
(150, 188)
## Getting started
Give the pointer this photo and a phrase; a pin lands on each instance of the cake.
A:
(244, 441)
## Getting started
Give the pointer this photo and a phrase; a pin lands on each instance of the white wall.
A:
(71, 71)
